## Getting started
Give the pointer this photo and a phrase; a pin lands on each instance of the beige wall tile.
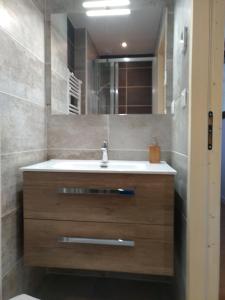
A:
(128, 136)
(22, 74)
(11, 240)
(179, 158)
(77, 132)
(21, 280)
(12, 179)
(179, 162)
(59, 44)
(40, 4)
(25, 23)
(136, 155)
(59, 94)
(180, 129)
(136, 132)
(74, 154)
(23, 125)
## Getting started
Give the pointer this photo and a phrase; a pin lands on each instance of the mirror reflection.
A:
(110, 57)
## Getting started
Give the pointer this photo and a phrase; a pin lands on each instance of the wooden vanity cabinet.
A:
(68, 225)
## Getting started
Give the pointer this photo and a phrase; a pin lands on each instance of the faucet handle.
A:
(105, 144)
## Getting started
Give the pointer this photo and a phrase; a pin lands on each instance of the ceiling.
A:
(140, 29)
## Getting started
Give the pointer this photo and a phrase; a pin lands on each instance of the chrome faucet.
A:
(105, 159)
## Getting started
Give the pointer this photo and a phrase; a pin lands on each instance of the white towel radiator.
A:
(74, 94)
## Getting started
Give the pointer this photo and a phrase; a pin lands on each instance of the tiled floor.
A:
(68, 287)
(222, 254)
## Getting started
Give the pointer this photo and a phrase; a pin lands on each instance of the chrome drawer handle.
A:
(96, 191)
(103, 242)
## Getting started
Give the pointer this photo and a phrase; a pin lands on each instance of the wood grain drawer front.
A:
(152, 202)
(152, 252)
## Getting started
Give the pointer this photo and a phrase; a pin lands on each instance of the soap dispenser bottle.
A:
(154, 152)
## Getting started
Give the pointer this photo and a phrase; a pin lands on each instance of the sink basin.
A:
(89, 165)
(94, 166)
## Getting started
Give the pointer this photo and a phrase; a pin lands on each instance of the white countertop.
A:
(93, 166)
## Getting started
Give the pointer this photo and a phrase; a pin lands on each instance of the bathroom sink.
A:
(94, 166)
(89, 165)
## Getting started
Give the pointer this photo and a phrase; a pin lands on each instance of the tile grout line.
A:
(54, 72)
(22, 99)
(179, 153)
(16, 263)
(25, 151)
(21, 45)
(11, 212)
(38, 8)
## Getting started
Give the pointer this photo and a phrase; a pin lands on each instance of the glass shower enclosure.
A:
(106, 84)
(108, 77)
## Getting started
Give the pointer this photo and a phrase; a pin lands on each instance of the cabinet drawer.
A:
(73, 196)
(127, 248)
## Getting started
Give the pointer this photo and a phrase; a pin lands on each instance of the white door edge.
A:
(203, 215)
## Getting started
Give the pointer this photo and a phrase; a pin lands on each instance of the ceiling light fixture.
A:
(108, 12)
(107, 3)
(124, 44)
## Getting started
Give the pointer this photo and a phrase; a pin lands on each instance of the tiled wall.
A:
(70, 45)
(81, 137)
(92, 55)
(59, 63)
(23, 129)
(135, 87)
(169, 54)
(179, 156)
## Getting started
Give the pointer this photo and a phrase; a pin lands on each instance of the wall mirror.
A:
(110, 57)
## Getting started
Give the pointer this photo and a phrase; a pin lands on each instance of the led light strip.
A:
(108, 12)
(105, 4)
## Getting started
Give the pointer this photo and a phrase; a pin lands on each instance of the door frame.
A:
(203, 196)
